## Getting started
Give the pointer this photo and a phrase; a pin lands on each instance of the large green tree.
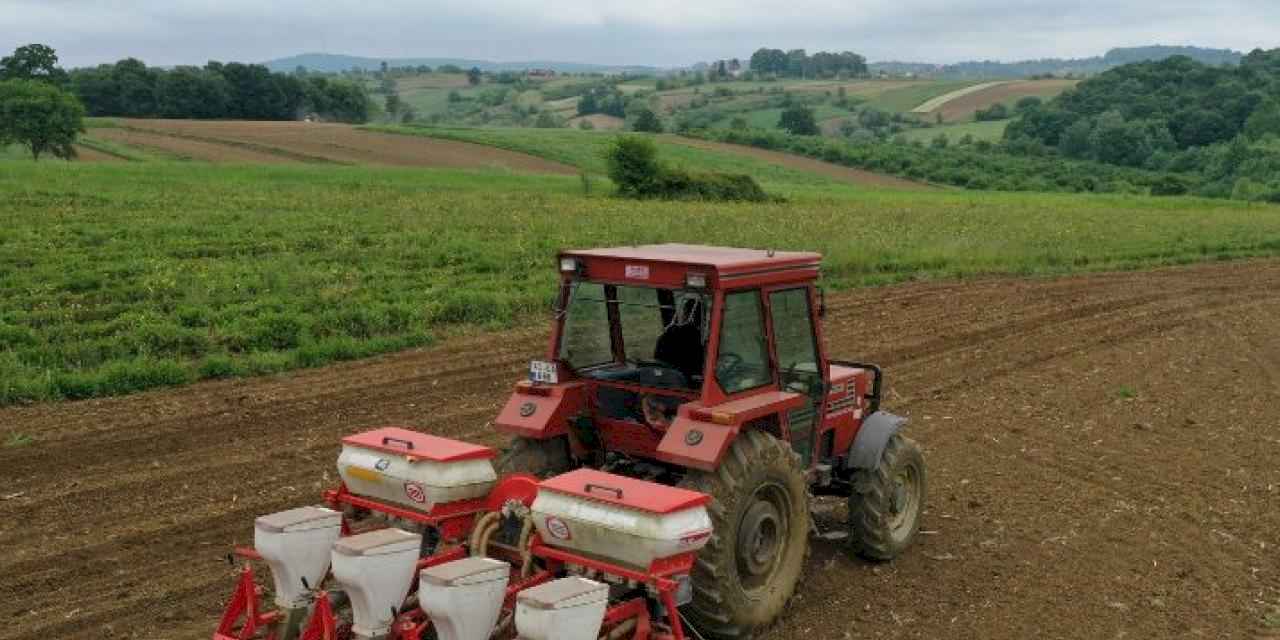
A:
(33, 62)
(647, 121)
(40, 117)
(1264, 121)
(799, 120)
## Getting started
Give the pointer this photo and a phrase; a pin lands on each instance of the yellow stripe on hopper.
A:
(368, 475)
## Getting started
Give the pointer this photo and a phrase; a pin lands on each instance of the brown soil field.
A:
(338, 143)
(801, 163)
(962, 108)
(188, 149)
(1102, 464)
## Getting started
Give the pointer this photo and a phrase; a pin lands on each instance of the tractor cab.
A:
(666, 352)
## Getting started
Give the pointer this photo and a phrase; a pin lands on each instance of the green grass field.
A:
(586, 149)
(127, 276)
(989, 131)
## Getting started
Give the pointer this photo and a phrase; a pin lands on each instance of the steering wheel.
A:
(727, 364)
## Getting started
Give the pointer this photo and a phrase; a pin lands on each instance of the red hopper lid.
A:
(416, 445)
(630, 493)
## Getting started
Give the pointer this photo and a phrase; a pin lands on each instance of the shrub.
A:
(799, 120)
(678, 184)
(635, 169)
(633, 165)
(1028, 103)
(995, 112)
(586, 125)
(647, 121)
(546, 120)
(1169, 186)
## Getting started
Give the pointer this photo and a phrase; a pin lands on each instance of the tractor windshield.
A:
(660, 335)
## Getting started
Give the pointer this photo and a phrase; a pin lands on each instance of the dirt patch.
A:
(1102, 465)
(340, 143)
(831, 170)
(963, 107)
(600, 122)
(189, 149)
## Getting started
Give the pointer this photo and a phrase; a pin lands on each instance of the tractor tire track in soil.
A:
(1101, 453)
(252, 141)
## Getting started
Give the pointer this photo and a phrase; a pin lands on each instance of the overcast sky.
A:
(653, 32)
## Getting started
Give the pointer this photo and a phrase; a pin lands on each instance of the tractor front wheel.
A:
(748, 571)
(542, 458)
(886, 503)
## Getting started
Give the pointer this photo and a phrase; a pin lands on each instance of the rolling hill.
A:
(1058, 66)
(332, 63)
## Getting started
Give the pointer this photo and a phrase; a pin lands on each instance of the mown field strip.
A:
(936, 103)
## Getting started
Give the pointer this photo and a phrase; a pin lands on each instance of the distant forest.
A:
(1059, 66)
(1221, 123)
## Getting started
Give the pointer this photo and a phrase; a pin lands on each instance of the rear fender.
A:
(542, 411)
(700, 436)
(872, 438)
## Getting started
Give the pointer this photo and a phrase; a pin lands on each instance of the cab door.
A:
(799, 364)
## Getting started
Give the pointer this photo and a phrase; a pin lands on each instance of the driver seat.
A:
(681, 344)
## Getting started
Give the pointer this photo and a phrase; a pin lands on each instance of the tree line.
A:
(1138, 112)
(796, 63)
(129, 88)
(1219, 123)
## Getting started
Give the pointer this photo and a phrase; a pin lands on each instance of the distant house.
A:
(541, 73)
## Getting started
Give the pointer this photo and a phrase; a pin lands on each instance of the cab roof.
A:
(725, 260)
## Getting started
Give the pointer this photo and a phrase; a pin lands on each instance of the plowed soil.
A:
(188, 149)
(246, 141)
(963, 107)
(1102, 455)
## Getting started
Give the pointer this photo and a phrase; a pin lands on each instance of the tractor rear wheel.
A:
(886, 503)
(748, 571)
(541, 458)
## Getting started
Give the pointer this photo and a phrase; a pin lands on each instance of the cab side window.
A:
(743, 360)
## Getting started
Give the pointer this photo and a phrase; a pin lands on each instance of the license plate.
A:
(543, 371)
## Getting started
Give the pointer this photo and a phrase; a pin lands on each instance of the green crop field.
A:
(126, 276)
(586, 149)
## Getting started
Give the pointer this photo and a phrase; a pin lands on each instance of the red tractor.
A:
(660, 474)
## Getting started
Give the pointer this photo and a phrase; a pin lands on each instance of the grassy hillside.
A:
(586, 149)
(127, 276)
